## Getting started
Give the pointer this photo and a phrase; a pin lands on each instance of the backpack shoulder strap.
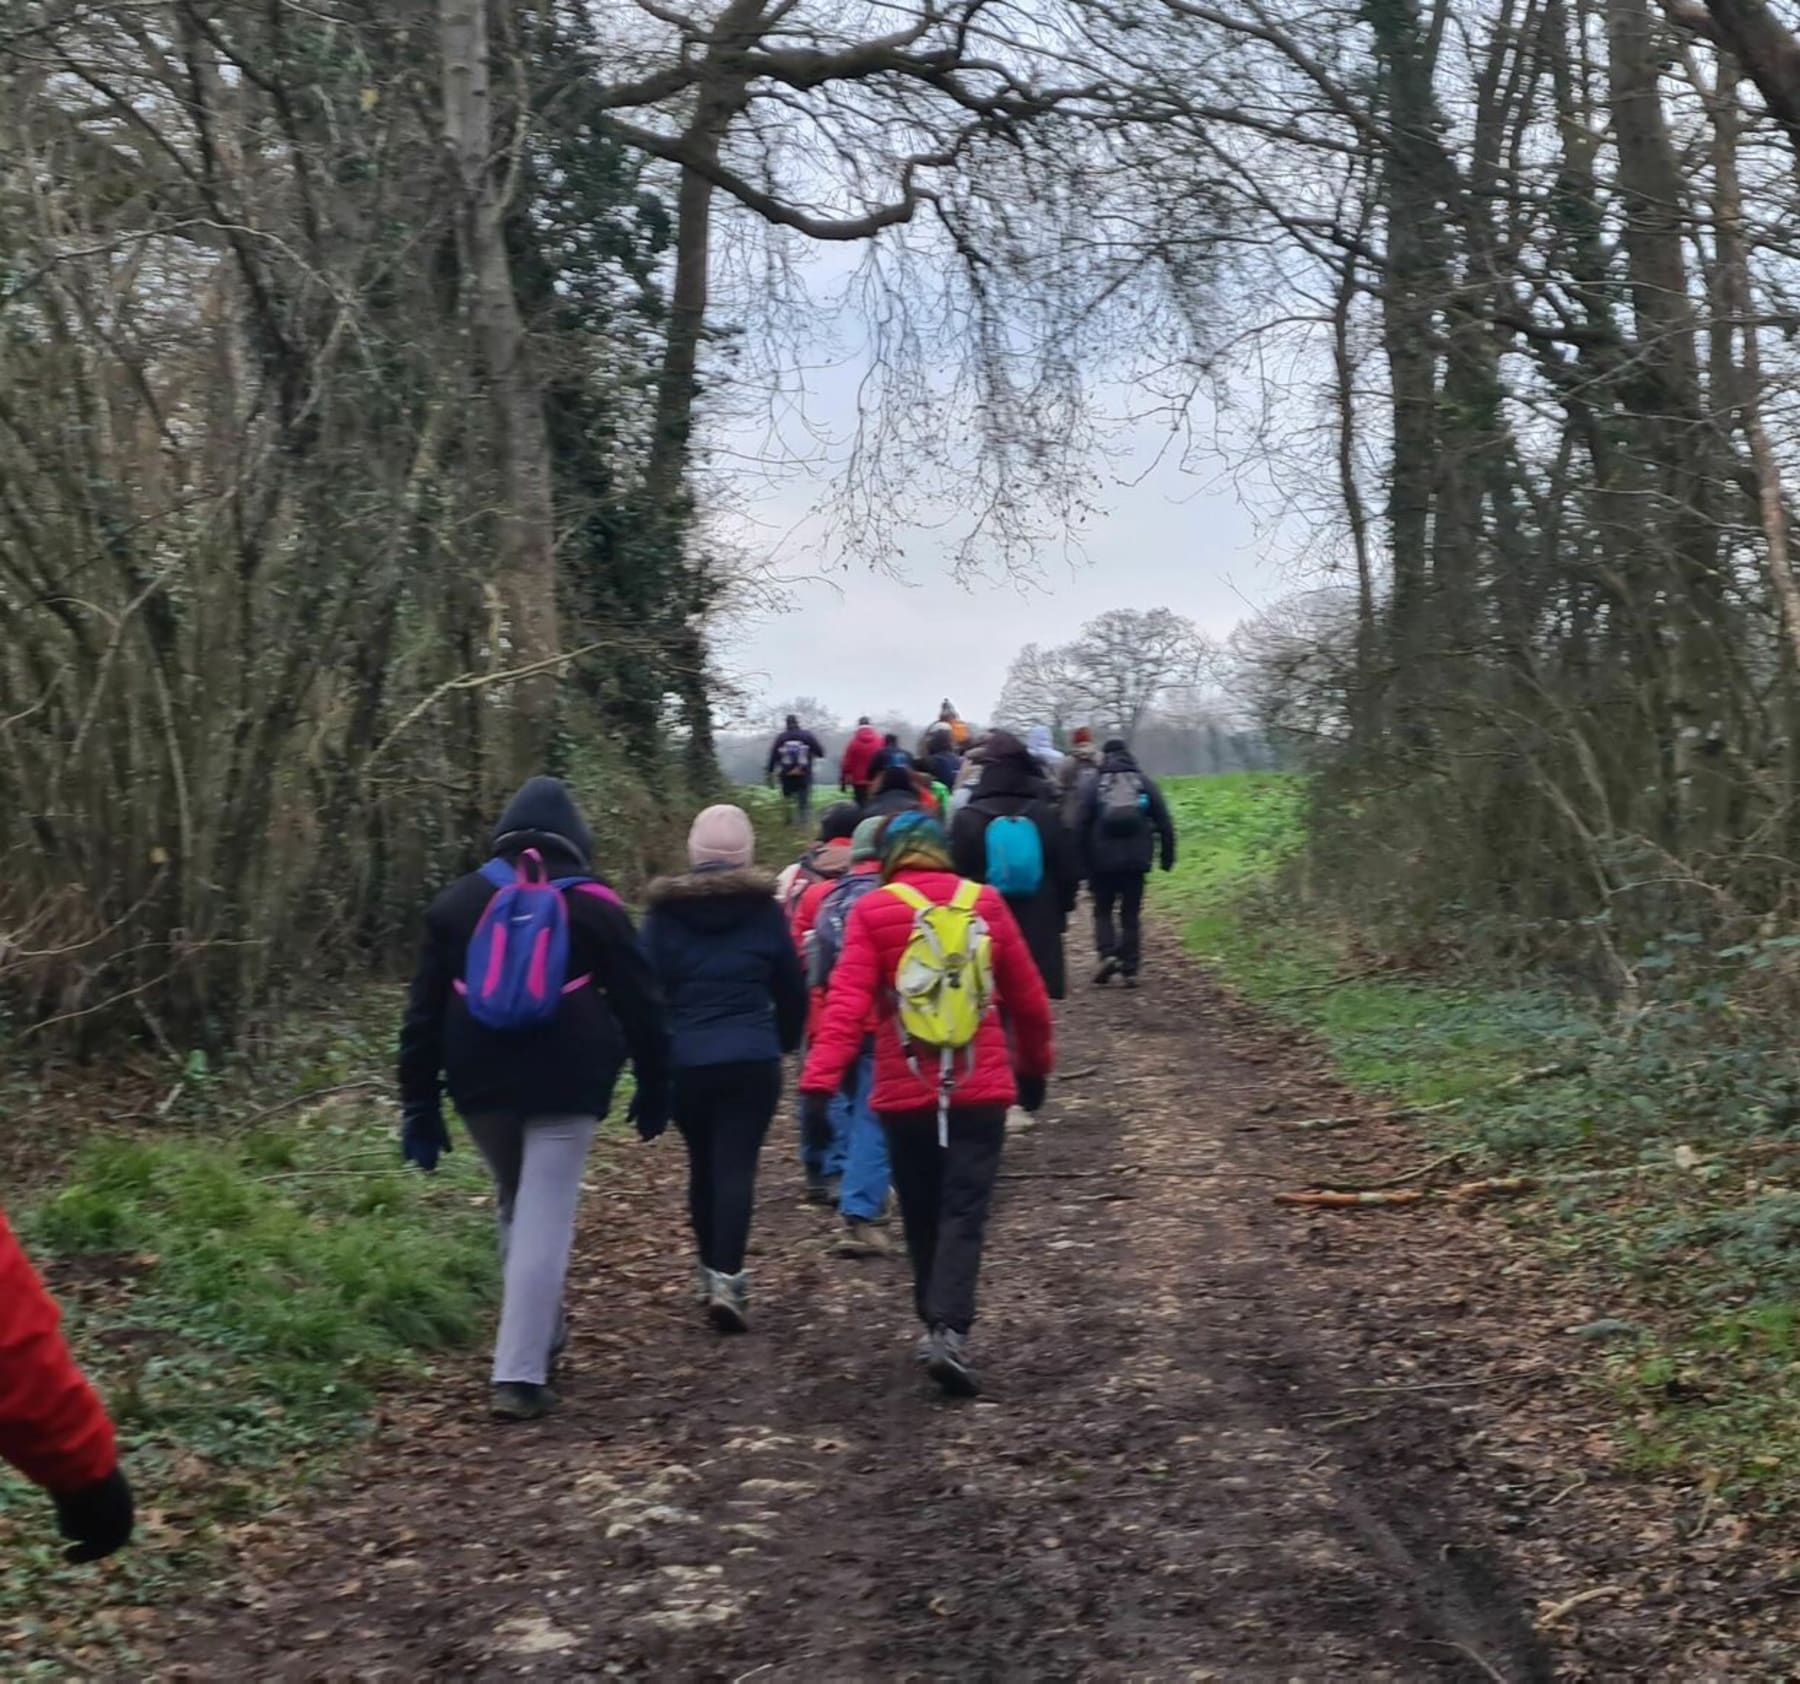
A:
(499, 874)
(911, 896)
(968, 892)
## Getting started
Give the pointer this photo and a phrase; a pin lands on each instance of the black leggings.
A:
(723, 1112)
(944, 1197)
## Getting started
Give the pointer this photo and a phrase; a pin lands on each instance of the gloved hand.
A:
(1168, 862)
(97, 1519)
(1032, 1091)
(649, 1114)
(423, 1137)
(816, 1133)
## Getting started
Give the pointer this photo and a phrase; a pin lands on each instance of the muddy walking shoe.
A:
(864, 1239)
(1131, 980)
(728, 1301)
(947, 1362)
(823, 1190)
(519, 1400)
(1109, 968)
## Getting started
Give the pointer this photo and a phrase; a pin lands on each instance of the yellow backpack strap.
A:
(906, 892)
(967, 894)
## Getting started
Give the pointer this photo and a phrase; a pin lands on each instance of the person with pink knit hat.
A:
(720, 947)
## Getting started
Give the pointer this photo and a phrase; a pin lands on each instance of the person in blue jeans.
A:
(857, 1135)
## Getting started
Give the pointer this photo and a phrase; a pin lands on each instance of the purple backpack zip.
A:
(517, 969)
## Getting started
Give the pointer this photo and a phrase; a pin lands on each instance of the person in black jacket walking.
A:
(1011, 786)
(722, 951)
(791, 759)
(532, 1098)
(1124, 821)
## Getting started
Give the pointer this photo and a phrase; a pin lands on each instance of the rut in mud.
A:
(1216, 1442)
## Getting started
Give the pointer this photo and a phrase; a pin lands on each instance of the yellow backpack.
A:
(944, 984)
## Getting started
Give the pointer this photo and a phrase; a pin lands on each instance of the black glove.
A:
(816, 1132)
(1031, 1092)
(97, 1519)
(649, 1114)
(423, 1137)
(1168, 862)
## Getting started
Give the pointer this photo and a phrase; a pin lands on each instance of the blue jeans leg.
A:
(865, 1191)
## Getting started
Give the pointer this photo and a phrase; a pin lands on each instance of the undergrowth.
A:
(1661, 1142)
(242, 1289)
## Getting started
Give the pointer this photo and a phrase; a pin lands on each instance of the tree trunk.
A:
(525, 526)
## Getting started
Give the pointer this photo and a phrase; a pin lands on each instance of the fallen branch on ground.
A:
(1340, 1201)
(1400, 1113)
(293, 1100)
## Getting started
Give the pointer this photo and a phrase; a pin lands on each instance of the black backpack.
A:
(1124, 803)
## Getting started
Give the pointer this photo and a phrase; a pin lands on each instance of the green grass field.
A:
(1707, 1385)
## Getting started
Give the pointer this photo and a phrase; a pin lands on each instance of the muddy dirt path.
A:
(1219, 1441)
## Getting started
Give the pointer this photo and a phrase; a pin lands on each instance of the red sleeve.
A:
(1022, 994)
(52, 1428)
(837, 1041)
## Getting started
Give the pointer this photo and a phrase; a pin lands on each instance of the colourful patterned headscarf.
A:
(915, 842)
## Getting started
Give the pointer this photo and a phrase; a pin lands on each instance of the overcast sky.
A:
(866, 643)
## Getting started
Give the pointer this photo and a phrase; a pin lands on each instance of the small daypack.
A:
(944, 984)
(793, 756)
(825, 941)
(1124, 803)
(517, 968)
(1015, 856)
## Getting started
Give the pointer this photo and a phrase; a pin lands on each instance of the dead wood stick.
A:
(1344, 1201)
(288, 1104)
(1081, 1075)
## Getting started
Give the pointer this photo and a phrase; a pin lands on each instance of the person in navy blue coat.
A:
(726, 963)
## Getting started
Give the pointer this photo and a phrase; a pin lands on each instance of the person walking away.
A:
(53, 1428)
(856, 762)
(1080, 766)
(897, 790)
(724, 957)
(863, 1190)
(936, 960)
(1043, 750)
(529, 995)
(953, 722)
(791, 759)
(941, 759)
(825, 860)
(1124, 823)
(1011, 836)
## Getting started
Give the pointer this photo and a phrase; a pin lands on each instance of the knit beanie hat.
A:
(866, 844)
(1083, 735)
(722, 836)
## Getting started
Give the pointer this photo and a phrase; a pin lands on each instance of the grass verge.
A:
(1666, 1151)
(242, 1292)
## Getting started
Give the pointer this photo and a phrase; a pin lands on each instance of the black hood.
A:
(543, 815)
(1119, 760)
(1008, 767)
(716, 899)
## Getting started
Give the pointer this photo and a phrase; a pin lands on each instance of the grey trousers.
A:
(536, 1163)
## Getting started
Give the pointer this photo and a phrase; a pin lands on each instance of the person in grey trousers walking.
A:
(533, 1095)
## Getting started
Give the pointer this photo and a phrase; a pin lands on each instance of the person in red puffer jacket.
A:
(945, 1190)
(52, 1426)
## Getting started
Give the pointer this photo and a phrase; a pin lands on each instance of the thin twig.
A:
(288, 1104)
(1422, 1386)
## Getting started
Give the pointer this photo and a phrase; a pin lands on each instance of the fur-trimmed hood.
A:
(713, 899)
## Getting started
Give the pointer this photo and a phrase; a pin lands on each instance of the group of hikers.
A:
(910, 956)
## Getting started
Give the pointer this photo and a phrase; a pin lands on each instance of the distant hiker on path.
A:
(1011, 836)
(856, 764)
(53, 1428)
(953, 722)
(1124, 823)
(1079, 767)
(791, 759)
(725, 959)
(936, 960)
(824, 860)
(530, 994)
(941, 759)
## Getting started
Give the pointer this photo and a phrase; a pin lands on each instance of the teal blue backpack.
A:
(1015, 857)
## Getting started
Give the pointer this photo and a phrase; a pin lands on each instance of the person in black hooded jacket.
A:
(722, 951)
(1125, 823)
(1011, 786)
(532, 1098)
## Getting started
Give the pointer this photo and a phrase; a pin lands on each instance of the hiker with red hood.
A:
(856, 764)
(52, 1426)
(529, 996)
(934, 961)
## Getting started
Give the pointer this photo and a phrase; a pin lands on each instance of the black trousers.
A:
(723, 1112)
(1125, 942)
(945, 1194)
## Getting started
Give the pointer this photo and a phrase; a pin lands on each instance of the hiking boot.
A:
(728, 1301)
(821, 1190)
(947, 1362)
(864, 1239)
(702, 1283)
(1131, 980)
(1109, 968)
(519, 1400)
(1019, 1122)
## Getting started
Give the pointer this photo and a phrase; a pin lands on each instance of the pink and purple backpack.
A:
(517, 969)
